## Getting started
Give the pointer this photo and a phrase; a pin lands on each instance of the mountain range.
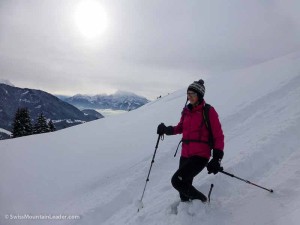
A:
(61, 113)
(64, 111)
(121, 100)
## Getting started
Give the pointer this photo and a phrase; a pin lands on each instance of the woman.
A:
(196, 150)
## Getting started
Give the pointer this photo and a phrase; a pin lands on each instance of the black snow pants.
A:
(182, 180)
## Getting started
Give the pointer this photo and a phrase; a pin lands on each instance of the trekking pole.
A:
(209, 193)
(247, 181)
(140, 206)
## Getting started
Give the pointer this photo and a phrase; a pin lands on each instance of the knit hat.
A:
(198, 87)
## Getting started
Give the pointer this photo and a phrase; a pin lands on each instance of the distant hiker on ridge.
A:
(201, 132)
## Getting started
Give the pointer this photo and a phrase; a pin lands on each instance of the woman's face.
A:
(192, 97)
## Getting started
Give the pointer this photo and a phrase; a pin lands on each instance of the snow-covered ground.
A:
(5, 131)
(97, 170)
(110, 112)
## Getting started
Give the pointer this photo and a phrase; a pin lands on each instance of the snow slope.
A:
(98, 170)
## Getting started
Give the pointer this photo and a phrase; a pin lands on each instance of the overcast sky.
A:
(149, 47)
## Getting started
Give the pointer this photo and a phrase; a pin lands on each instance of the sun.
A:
(91, 18)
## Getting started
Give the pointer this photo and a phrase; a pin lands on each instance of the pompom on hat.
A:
(198, 87)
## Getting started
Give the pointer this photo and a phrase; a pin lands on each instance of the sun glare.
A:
(91, 18)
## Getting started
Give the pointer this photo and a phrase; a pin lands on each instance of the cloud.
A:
(208, 34)
(153, 47)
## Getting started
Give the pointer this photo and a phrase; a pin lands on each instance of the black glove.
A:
(214, 165)
(162, 129)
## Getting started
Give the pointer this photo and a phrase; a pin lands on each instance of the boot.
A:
(184, 198)
(193, 193)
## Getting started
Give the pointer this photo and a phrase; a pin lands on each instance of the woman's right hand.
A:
(161, 129)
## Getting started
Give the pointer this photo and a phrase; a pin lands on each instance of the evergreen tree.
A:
(41, 125)
(51, 126)
(28, 129)
(22, 123)
(17, 126)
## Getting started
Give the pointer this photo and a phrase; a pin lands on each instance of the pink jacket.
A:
(192, 127)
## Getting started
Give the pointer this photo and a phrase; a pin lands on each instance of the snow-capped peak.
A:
(7, 82)
(124, 93)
